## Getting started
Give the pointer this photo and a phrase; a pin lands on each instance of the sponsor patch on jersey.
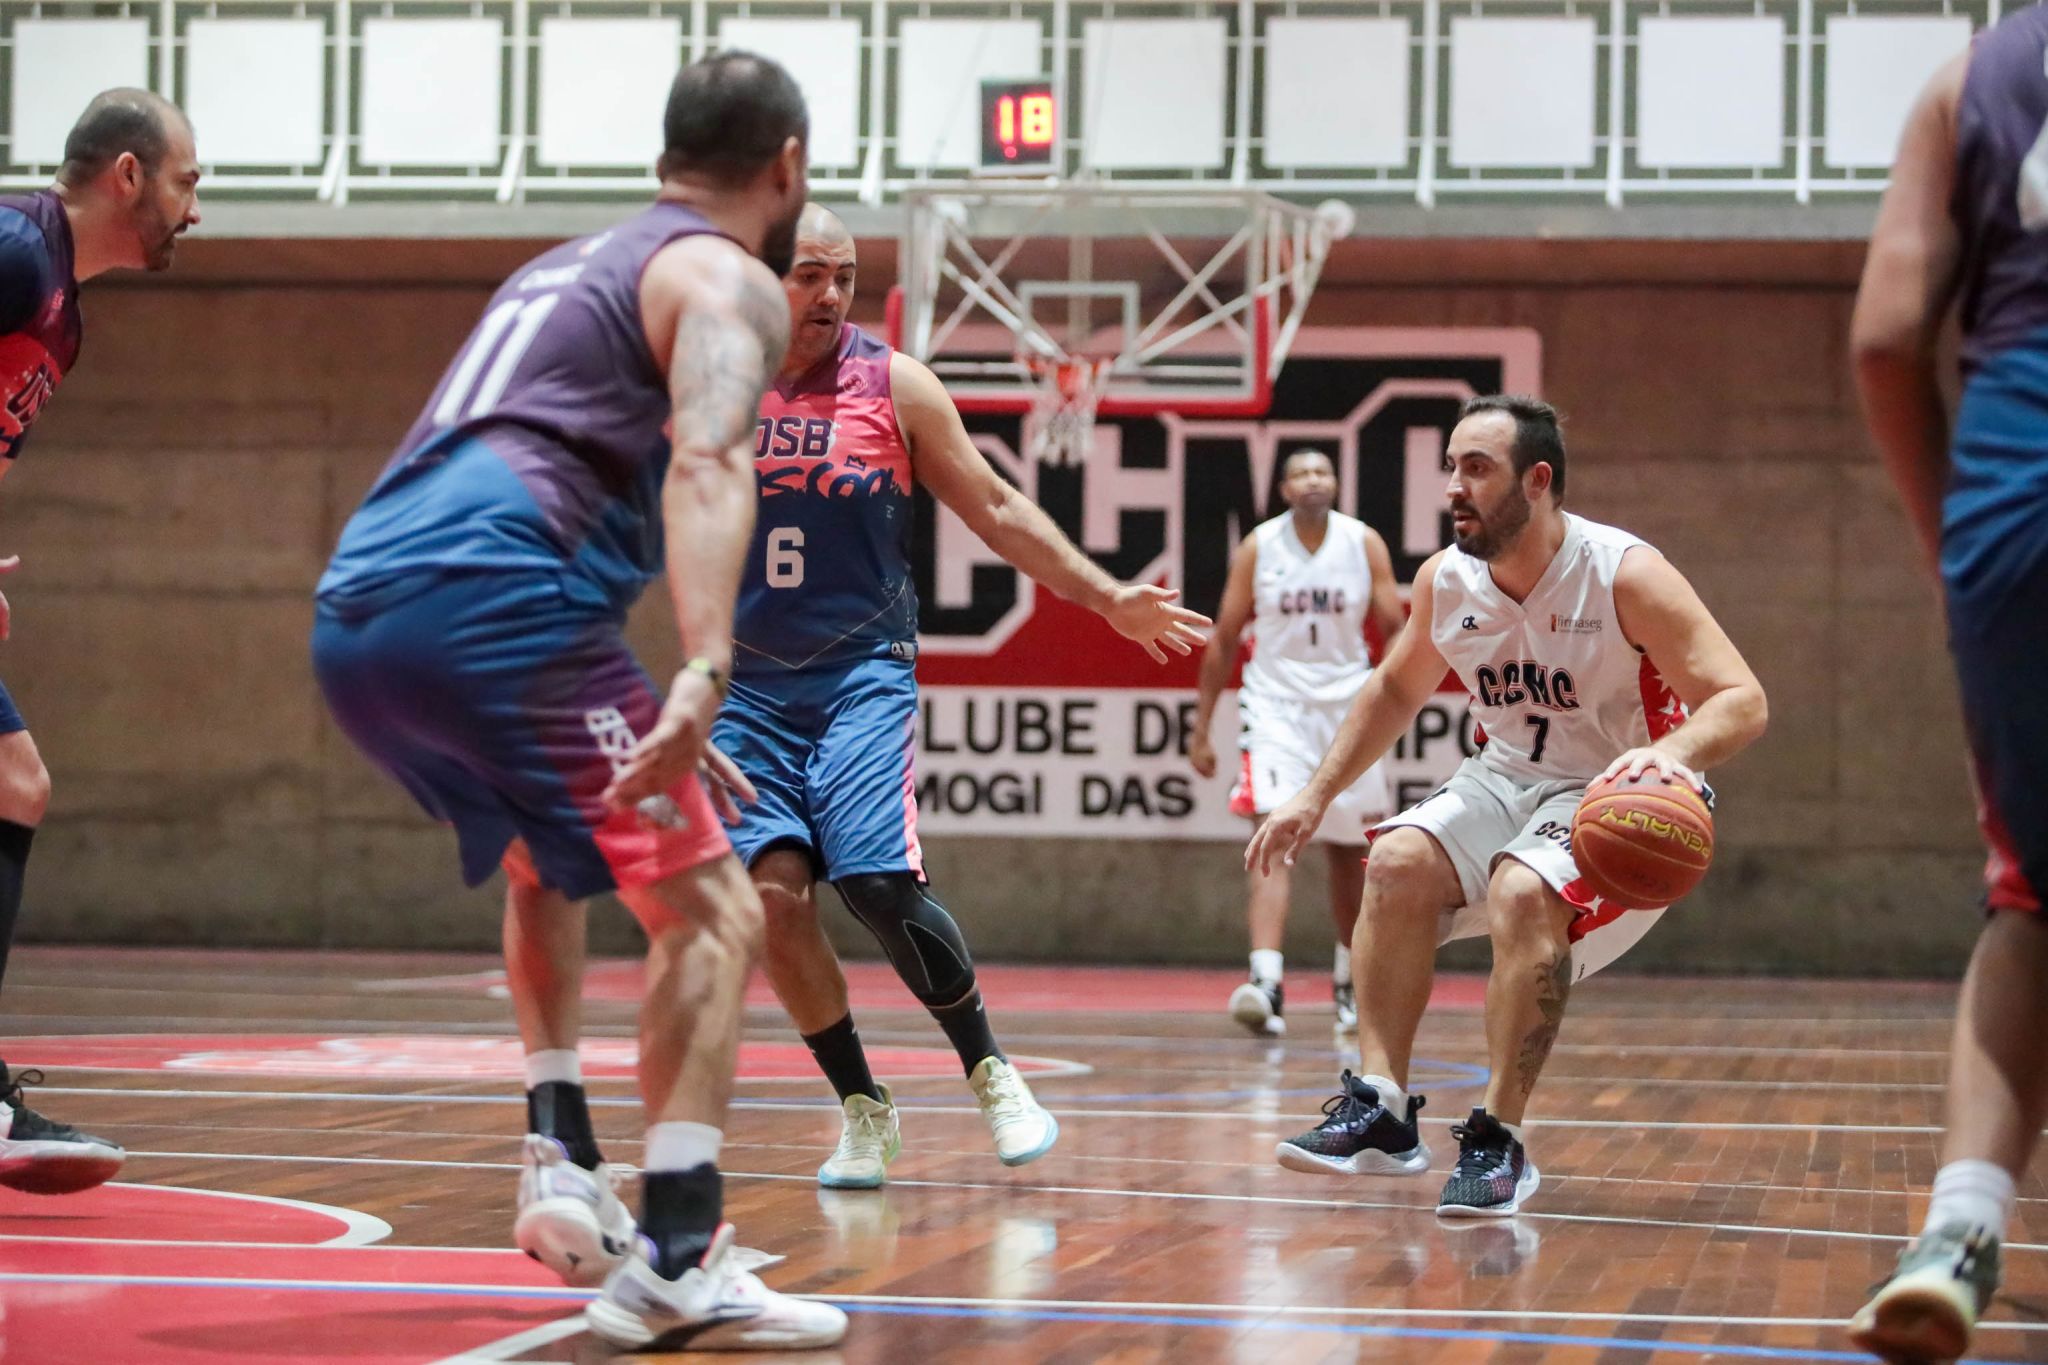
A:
(1575, 625)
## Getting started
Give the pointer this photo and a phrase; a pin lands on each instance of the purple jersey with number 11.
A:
(544, 444)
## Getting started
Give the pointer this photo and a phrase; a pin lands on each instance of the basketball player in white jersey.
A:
(1586, 654)
(1305, 581)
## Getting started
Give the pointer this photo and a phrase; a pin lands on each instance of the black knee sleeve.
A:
(921, 939)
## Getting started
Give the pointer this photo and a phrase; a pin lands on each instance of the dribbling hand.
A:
(1636, 762)
(1282, 835)
(673, 748)
(1146, 613)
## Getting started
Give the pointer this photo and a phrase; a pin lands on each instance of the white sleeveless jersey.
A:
(1308, 613)
(1557, 688)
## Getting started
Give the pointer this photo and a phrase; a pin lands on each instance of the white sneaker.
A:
(570, 1220)
(715, 1306)
(1023, 1130)
(869, 1139)
(1257, 1005)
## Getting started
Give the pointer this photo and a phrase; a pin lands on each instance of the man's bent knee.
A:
(1524, 916)
(1407, 866)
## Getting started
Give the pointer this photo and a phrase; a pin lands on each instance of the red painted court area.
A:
(158, 1275)
(429, 1057)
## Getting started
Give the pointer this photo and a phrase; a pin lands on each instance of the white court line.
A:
(39, 1239)
(1059, 1069)
(1063, 1114)
(1839, 1191)
(519, 1343)
(567, 1326)
(359, 1229)
(1095, 1191)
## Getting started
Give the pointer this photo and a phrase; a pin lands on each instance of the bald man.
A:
(128, 189)
(822, 715)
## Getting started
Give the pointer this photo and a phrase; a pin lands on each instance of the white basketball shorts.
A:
(1283, 741)
(1479, 817)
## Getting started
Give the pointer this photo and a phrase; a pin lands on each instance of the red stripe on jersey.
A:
(1663, 712)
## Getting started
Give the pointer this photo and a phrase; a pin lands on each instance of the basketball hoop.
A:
(1062, 417)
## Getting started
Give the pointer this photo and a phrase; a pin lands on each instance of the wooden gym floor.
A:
(1727, 1166)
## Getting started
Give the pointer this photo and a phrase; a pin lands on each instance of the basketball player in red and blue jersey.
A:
(822, 718)
(128, 188)
(1966, 219)
(470, 640)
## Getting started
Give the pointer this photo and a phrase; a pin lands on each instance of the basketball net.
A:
(1061, 425)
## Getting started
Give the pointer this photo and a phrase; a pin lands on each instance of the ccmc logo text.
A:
(1167, 498)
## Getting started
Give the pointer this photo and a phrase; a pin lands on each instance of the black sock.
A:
(966, 1026)
(679, 1213)
(14, 842)
(557, 1109)
(840, 1056)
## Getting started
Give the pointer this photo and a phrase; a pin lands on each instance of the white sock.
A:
(681, 1146)
(1340, 965)
(1979, 1193)
(1266, 964)
(1392, 1096)
(1515, 1132)
(555, 1064)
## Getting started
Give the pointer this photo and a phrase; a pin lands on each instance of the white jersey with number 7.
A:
(1556, 687)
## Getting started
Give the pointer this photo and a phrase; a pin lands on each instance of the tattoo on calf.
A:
(1553, 986)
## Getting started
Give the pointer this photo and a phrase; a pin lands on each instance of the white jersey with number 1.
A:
(1308, 662)
(1308, 613)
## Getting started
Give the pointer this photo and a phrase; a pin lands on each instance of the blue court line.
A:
(1245, 1322)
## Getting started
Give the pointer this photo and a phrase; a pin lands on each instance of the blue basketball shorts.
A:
(831, 752)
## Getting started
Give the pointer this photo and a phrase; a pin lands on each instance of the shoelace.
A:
(1342, 1111)
(868, 1125)
(1483, 1155)
(12, 1093)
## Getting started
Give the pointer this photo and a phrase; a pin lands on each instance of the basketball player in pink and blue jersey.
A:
(1965, 220)
(128, 189)
(594, 429)
(822, 717)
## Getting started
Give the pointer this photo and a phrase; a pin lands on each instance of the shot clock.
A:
(1019, 126)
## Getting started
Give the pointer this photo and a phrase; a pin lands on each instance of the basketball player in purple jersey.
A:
(469, 639)
(128, 188)
(823, 713)
(1966, 219)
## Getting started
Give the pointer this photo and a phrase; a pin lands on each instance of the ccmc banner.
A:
(1039, 721)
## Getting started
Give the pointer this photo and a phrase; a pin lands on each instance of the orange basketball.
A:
(1642, 843)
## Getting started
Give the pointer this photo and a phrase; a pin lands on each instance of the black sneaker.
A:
(1494, 1174)
(38, 1156)
(1347, 1008)
(1358, 1136)
(1257, 1005)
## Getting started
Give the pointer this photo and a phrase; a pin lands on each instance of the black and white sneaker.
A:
(1494, 1174)
(1257, 1005)
(1347, 1008)
(41, 1156)
(1359, 1136)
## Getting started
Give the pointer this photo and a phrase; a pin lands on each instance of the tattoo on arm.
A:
(1553, 986)
(724, 359)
